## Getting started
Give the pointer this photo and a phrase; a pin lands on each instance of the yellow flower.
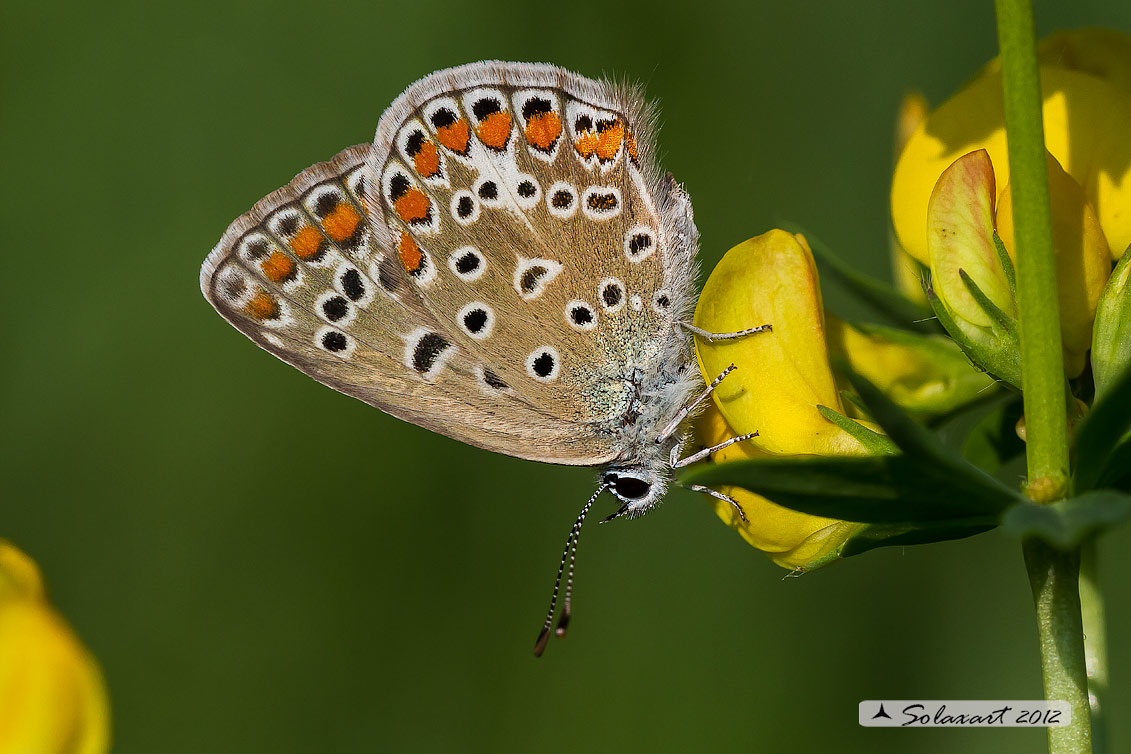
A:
(927, 375)
(792, 540)
(52, 698)
(1086, 83)
(1083, 264)
(905, 269)
(782, 377)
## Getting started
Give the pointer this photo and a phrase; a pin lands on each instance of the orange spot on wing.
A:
(410, 254)
(342, 222)
(427, 160)
(494, 130)
(586, 143)
(412, 206)
(455, 136)
(262, 306)
(307, 242)
(543, 130)
(630, 142)
(609, 141)
(278, 267)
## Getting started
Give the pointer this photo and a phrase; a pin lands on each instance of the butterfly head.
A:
(637, 488)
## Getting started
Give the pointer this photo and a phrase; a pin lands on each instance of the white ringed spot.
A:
(639, 243)
(580, 315)
(610, 292)
(561, 200)
(531, 276)
(464, 207)
(477, 320)
(467, 263)
(544, 364)
(601, 202)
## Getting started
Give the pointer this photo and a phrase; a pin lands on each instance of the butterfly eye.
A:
(630, 487)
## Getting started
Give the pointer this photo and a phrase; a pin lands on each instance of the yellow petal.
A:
(19, 575)
(782, 375)
(1083, 261)
(791, 539)
(52, 697)
(960, 237)
(927, 374)
(1086, 122)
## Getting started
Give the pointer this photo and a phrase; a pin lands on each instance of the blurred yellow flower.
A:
(52, 698)
(782, 377)
(906, 271)
(1085, 79)
(1083, 262)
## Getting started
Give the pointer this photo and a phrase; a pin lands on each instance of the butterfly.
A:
(506, 265)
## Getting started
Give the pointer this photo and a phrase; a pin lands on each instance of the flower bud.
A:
(1111, 340)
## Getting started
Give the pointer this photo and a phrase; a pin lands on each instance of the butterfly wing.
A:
(535, 227)
(306, 278)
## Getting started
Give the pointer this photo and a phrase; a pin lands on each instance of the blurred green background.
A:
(382, 592)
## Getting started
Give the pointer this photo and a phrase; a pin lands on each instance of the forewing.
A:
(304, 275)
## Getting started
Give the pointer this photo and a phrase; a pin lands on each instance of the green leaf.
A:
(876, 443)
(907, 434)
(871, 536)
(1006, 265)
(1098, 436)
(1000, 360)
(923, 445)
(875, 489)
(1065, 524)
(887, 535)
(1117, 474)
(1003, 323)
(882, 298)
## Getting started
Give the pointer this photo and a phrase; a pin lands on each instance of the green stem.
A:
(1054, 579)
(1095, 642)
(1042, 363)
(1053, 575)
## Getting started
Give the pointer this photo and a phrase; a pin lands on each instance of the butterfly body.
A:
(505, 264)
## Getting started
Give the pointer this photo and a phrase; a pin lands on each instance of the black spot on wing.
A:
(427, 351)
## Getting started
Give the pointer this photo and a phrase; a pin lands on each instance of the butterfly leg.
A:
(666, 432)
(713, 336)
(705, 452)
(720, 496)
